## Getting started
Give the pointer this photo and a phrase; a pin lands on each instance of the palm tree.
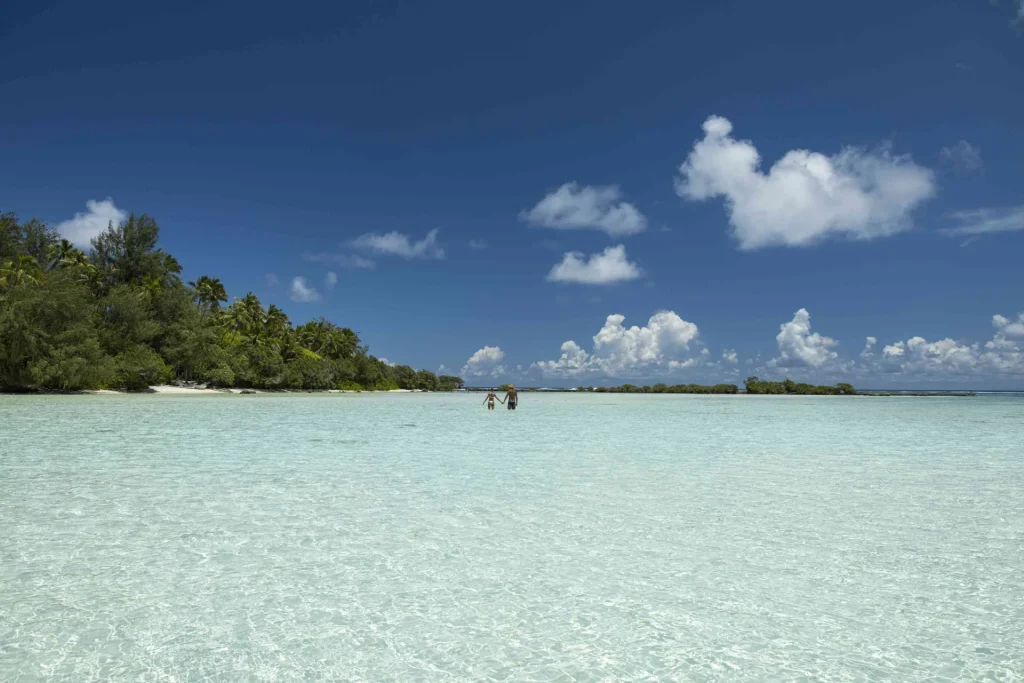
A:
(22, 270)
(63, 254)
(210, 292)
(244, 316)
(276, 323)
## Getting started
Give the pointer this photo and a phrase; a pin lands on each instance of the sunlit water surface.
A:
(586, 538)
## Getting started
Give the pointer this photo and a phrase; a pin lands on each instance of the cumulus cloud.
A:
(485, 361)
(572, 207)
(302, 291)
(1012, 330)
(344, 260)
(918, 355)
(729, 356)
(397, 244)
(963, 156)
(805, 196)
(664, 342)
(330, 280)
(799, 347)
(98, 215)
(608, 267)
(869, 345)
(1001, 356)
(978, 222)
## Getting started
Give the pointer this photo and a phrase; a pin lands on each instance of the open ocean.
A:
(582, 538)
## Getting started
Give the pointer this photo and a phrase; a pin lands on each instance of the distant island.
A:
(120, 317)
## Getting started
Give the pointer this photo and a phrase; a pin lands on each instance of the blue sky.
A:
(576, 160)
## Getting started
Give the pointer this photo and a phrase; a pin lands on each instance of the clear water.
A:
(582, 538)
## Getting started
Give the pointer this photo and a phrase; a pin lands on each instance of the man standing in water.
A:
(511, 397)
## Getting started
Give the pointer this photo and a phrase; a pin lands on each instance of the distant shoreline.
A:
(172, 390)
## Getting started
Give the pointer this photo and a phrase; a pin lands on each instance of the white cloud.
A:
(798, 346)
(483, 362)
(343, 260)
(1001, 356)
(477, 245)
(573, 361)
(663, 342)
(397, 244)
(330, 279)
(963, 155)
(805, 196)
(272, 279)
(918, 355)
(869, 345)
(608, 267)
(985, 221)
(572, 207)
(86, 225)
(1009, 329)
(302, 291)
(729, 356)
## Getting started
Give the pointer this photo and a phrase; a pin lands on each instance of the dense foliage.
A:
(121, 317)
(666, 389)
(758, 386)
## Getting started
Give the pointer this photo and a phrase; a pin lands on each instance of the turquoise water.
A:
(582, 538)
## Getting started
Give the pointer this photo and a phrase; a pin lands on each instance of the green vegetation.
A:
(665, 389)
(120, 317)
(758, 386)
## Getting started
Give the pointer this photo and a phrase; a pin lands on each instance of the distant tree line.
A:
(121, 317)
(665, 389)
(759, 386)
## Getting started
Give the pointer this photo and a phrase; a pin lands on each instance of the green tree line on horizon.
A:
(754, 385)
(121, 317)
(661, 388)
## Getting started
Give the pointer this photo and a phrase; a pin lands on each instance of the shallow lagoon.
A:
(583, 537)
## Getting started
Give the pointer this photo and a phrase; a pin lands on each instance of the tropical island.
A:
(120, 317)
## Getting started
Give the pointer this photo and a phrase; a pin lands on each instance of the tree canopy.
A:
(120, 316)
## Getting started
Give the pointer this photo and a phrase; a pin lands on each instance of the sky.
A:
(558, 193)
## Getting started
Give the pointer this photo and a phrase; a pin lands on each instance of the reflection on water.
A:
(404, 537)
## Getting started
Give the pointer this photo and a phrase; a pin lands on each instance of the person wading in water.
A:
(511, 397)
(489, 400)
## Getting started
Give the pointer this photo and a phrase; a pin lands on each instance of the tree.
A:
(122, 317)
(426, 381)
(10, 236)
(48, 337)
(450, 383)
(20, 270)
(127, 253)
(209, 292)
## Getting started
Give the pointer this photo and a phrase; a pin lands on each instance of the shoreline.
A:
(174, 390)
